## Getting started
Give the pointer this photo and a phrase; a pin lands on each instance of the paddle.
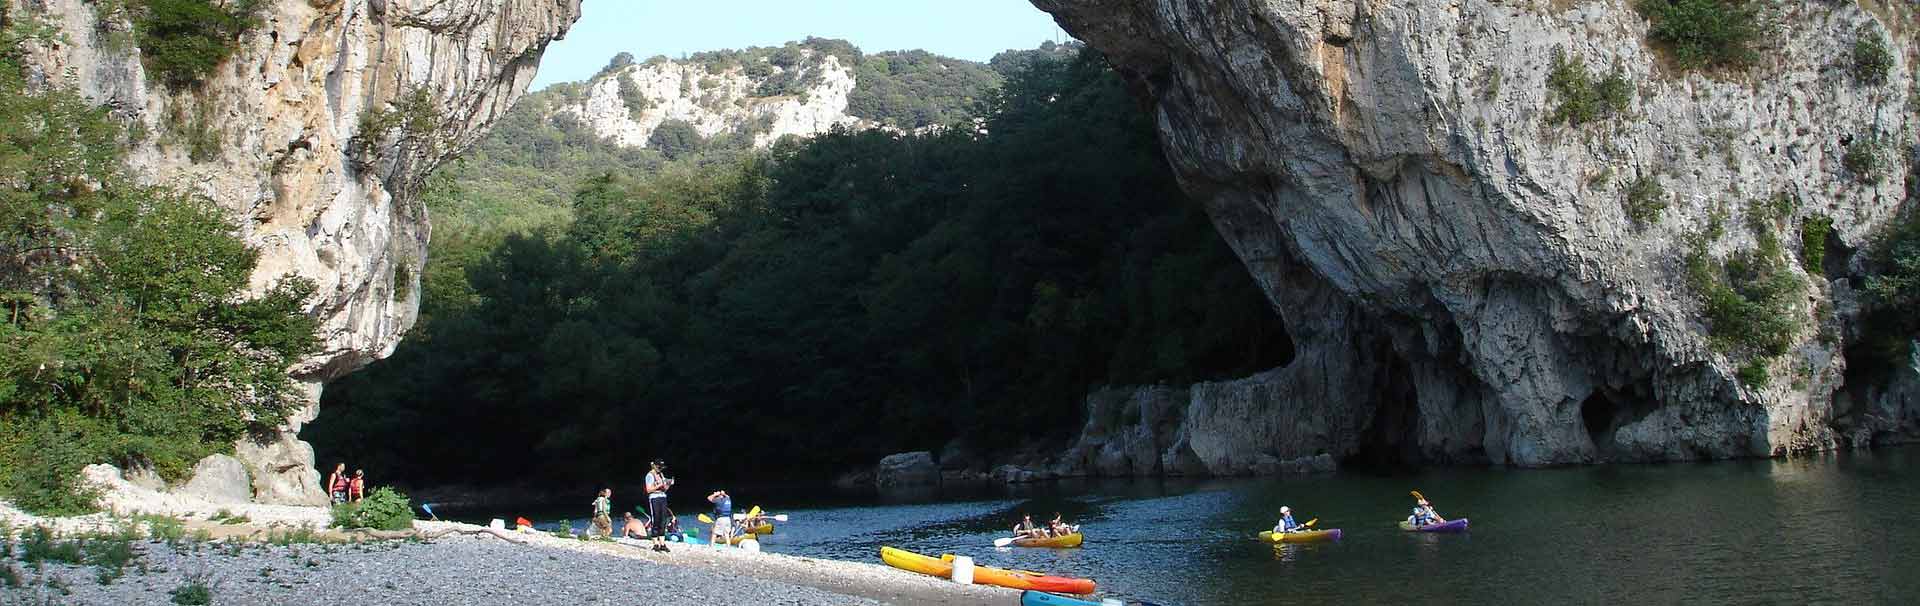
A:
(1003, 541)
(776, 518)
(429, 509)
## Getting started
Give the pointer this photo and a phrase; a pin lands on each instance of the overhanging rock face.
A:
(276, 122)
(1458, 271)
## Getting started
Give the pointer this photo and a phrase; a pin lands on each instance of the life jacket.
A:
(340, 482)
(723, 508)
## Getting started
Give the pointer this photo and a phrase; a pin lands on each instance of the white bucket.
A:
(750, 545)
(497, 524)
(963, 570)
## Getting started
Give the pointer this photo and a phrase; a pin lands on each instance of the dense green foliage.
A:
(1704, 33)
(1582, 98)
(182, 41)
(916, 89)
(1871, 59)
(1813, 242)
(967, 282)
(123, 336)
(1645, 200)
(631, 97)
(414, 113)
(1750, 297)
(382, 509)
(1863, 159)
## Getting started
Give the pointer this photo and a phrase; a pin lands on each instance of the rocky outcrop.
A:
(716, 101)
(905, 470)
(219, 479)
(1477, 290)
(273, 136)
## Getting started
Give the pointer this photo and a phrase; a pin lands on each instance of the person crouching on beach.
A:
(632, 528)
(603, 513)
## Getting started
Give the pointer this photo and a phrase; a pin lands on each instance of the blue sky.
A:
(967, 29)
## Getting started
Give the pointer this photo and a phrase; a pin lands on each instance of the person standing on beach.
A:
(722, 517)
(357, 489)
(657, 485)
(337, 484)
(603, 513)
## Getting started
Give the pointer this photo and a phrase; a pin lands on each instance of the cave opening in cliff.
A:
(1391, 439)
(1600, 415)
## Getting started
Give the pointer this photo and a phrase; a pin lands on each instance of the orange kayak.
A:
(1026, 579)
(984, 575)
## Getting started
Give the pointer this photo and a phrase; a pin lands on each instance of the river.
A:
(1833, 529)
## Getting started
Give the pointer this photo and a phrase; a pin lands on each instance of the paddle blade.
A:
(704, 519)
(1312, 522)
(780, 518)
(753, 512)
(1417, 495)
(1003, 541)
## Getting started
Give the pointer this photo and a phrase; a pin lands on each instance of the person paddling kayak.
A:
(1025, 529)
(1286, 523)
(1424, 514)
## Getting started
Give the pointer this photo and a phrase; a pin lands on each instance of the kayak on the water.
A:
(1301, 536)
(1459, 525)
(1063, 541)
(984, 575)
(766, 528)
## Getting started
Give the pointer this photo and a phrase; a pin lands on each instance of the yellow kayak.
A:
(913, 562)
(1301, 536)
(1062, 541)
(766, 528)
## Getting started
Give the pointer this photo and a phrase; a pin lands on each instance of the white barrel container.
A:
(1112, 602)
(497, 524)
(750, 545)
(963, 570)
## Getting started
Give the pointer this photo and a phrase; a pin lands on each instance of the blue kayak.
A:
(1041, 598)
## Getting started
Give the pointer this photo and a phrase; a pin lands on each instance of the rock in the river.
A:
(1482, 294)
(219, 479)
(283, 116)
(906, 469)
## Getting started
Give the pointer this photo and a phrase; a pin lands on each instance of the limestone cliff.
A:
(275, 136)
(627, 103)
(1460, 271)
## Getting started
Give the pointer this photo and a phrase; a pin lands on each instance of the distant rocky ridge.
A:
(754, 97)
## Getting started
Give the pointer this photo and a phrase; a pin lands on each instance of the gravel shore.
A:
(239, 563)
(482, 569)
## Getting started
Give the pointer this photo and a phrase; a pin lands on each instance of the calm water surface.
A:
(1838, 529)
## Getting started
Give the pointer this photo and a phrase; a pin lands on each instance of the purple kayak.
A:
(1459, 525)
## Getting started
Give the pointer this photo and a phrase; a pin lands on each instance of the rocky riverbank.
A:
(156, 548)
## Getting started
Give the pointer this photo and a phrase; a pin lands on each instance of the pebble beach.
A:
(282, 555)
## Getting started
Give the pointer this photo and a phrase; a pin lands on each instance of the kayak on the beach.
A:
(1301, 536)
(1026, 579)
(1041, 598)
(1062, 541)
(1459, 525)
(942, 567)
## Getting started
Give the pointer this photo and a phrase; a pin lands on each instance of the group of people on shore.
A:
(343, 488)
(1423, 515)
(660, 523)
(1057, 527)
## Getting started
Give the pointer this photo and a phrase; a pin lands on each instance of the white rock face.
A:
(1459, 275)
(716, 104)
(283, 110)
